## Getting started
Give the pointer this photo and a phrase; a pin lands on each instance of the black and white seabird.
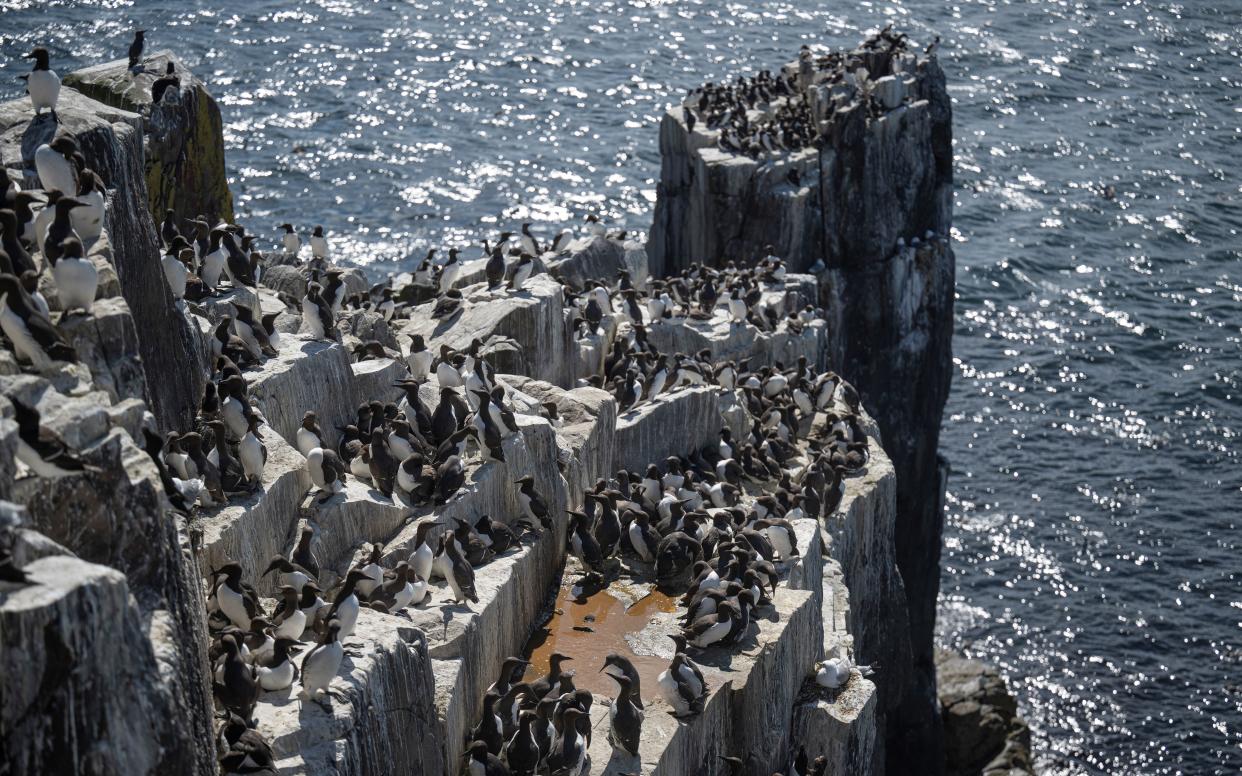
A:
(625, 717)
(534, 508)
(320, 665)
(43, 84)
(290, 240)
(41, 449)
(522, 271)
(135, 50)
(460, 575)
(276, 671)
(56, 165)
(317, 315)
(251, 451)
(34, 337)
(617, 665)
(318, 242)
(480, 761)
(167, 84)
(327, 470)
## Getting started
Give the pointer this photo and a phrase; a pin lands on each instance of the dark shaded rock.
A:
(184, 135)
(983, 732)
(79, 694)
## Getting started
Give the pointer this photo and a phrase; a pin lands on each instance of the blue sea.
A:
(1092, 539)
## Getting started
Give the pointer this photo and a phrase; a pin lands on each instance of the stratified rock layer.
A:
(111, 139)
(881, 178)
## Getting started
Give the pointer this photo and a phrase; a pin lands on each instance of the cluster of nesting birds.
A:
(692, 522)
(50, 230)
(544, 725)
(765, 115)
(252, 649)
(632, 368)
(757, 117)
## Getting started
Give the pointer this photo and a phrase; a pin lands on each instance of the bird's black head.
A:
(40, 56)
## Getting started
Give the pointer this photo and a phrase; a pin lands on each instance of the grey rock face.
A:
(111, 139)
(118, 516)
(78, 670)
(882, 174)
(600, 258)
(184, 134)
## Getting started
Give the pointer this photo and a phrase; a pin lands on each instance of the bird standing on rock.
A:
(135, 50)
(43, 84)
(77, 279)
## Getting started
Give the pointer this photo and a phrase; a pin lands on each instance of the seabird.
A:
(166, 84)
(322, 662)
(290, 240)
(34, 337)
(318, 243)
(135, 50)
(43, 85)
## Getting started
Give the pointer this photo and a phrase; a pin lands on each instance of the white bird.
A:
(321, 663)
(76, 277)
(319, 244)
(56, 171)
(290, 240)
(834, 672)
(43, 85)
(176, 273)
(251, 451)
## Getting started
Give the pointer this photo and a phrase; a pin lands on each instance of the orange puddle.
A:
(609, 621)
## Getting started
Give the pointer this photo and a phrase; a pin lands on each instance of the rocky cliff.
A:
(109, 627)
(184, 135)
(868, 206)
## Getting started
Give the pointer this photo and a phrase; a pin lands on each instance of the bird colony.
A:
(712, 526)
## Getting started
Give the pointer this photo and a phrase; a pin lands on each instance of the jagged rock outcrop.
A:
(111, 139)
(983, 732)
(184, 134)
(412, 685)
(79, 696)
(116, 514)
(870, 203)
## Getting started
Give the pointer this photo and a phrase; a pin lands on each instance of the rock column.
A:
(867, 207)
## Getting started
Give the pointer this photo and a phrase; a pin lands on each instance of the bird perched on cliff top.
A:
(317, 315)
(166, 84)
(834, 672)
(43, 84)
(522, 271)
(291, 241)
(135, 50)
(318, 243)
(322, 662)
